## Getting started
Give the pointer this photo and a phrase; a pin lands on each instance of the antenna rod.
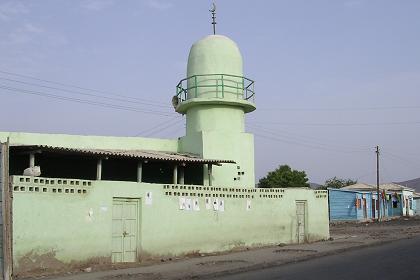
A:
(213, 16)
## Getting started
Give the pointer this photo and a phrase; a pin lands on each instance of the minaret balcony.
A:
(215, 89)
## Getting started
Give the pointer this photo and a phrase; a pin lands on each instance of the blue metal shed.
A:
(349, 205)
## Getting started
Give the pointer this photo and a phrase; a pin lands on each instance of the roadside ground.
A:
(344, 236)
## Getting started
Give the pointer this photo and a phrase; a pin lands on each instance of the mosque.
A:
(103, 200)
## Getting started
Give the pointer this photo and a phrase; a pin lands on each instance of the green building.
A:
(86, 200)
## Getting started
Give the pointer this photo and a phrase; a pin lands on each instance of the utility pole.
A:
(377, 182)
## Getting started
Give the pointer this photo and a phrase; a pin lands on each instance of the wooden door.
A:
(364, 208)
(373, 209)
(301, 219)
(125, 228)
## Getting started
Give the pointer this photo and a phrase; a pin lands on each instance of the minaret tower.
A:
(215, 97)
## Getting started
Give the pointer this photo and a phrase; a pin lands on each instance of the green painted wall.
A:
(52, 229)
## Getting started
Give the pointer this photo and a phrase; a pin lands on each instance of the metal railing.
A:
(221, 86)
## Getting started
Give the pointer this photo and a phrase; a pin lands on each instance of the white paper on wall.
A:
(182, 203)
(216, 204)
(196, 205)
(248, 205)
(149, 199)
(208, 203)
(188, 204)
(221, 205)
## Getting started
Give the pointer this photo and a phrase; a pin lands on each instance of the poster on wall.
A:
(208, 203)
(216, 204)
(182, 203)
(248, 205)
(196, 205)
(188, 204)
(149, 198)
(221, 205)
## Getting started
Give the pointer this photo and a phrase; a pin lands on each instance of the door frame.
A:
(138, 227)
(305, 217)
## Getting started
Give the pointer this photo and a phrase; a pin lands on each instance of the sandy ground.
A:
(344, 237)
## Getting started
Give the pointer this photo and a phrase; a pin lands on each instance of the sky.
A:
(333, 79)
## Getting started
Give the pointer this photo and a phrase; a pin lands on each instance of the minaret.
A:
(215, 97)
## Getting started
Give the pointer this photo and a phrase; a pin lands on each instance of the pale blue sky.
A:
(333, 78)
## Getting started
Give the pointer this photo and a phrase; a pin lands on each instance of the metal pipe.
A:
(175, 177)
(139, 171)
(181, 175)
(99, 170)
(210, 173)
(31, 159)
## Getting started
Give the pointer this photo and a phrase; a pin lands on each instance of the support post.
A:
(6, 206)
(210, 173)
(99, 170)
(175, 178)
(181, 175)
(377, 183)
(139, 171)
(31, 159)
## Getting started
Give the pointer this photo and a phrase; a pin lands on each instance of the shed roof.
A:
(369, 187)
(394, 187)
(360, 187)
(143, 154)
(349, 190)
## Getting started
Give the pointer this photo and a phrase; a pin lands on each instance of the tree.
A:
(284, 177)
(337, 183)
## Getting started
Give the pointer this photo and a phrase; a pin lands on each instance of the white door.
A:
(125, 213)
(301, 217)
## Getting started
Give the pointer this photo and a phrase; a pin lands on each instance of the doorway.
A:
(301, 220)
(125, 228)
(364, 208)
(373, 209)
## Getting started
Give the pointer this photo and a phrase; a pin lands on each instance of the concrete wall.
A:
(57, 230)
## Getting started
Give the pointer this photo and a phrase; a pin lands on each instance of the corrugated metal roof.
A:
(394, 187)
(368, 187)
(360, 187)
(143, 154)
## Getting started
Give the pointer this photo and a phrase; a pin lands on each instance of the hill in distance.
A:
(413, 183)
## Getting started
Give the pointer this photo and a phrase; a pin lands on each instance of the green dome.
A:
(214, 54)
(215, 77)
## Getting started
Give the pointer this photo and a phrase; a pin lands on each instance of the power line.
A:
(175, 128)
(302, 144)
(82, 101)
(159, 127)
(308, 139)
(284, 138)
(403, 107)
(74, 86)
(85, 94)
(406, 162)
(343, 124)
